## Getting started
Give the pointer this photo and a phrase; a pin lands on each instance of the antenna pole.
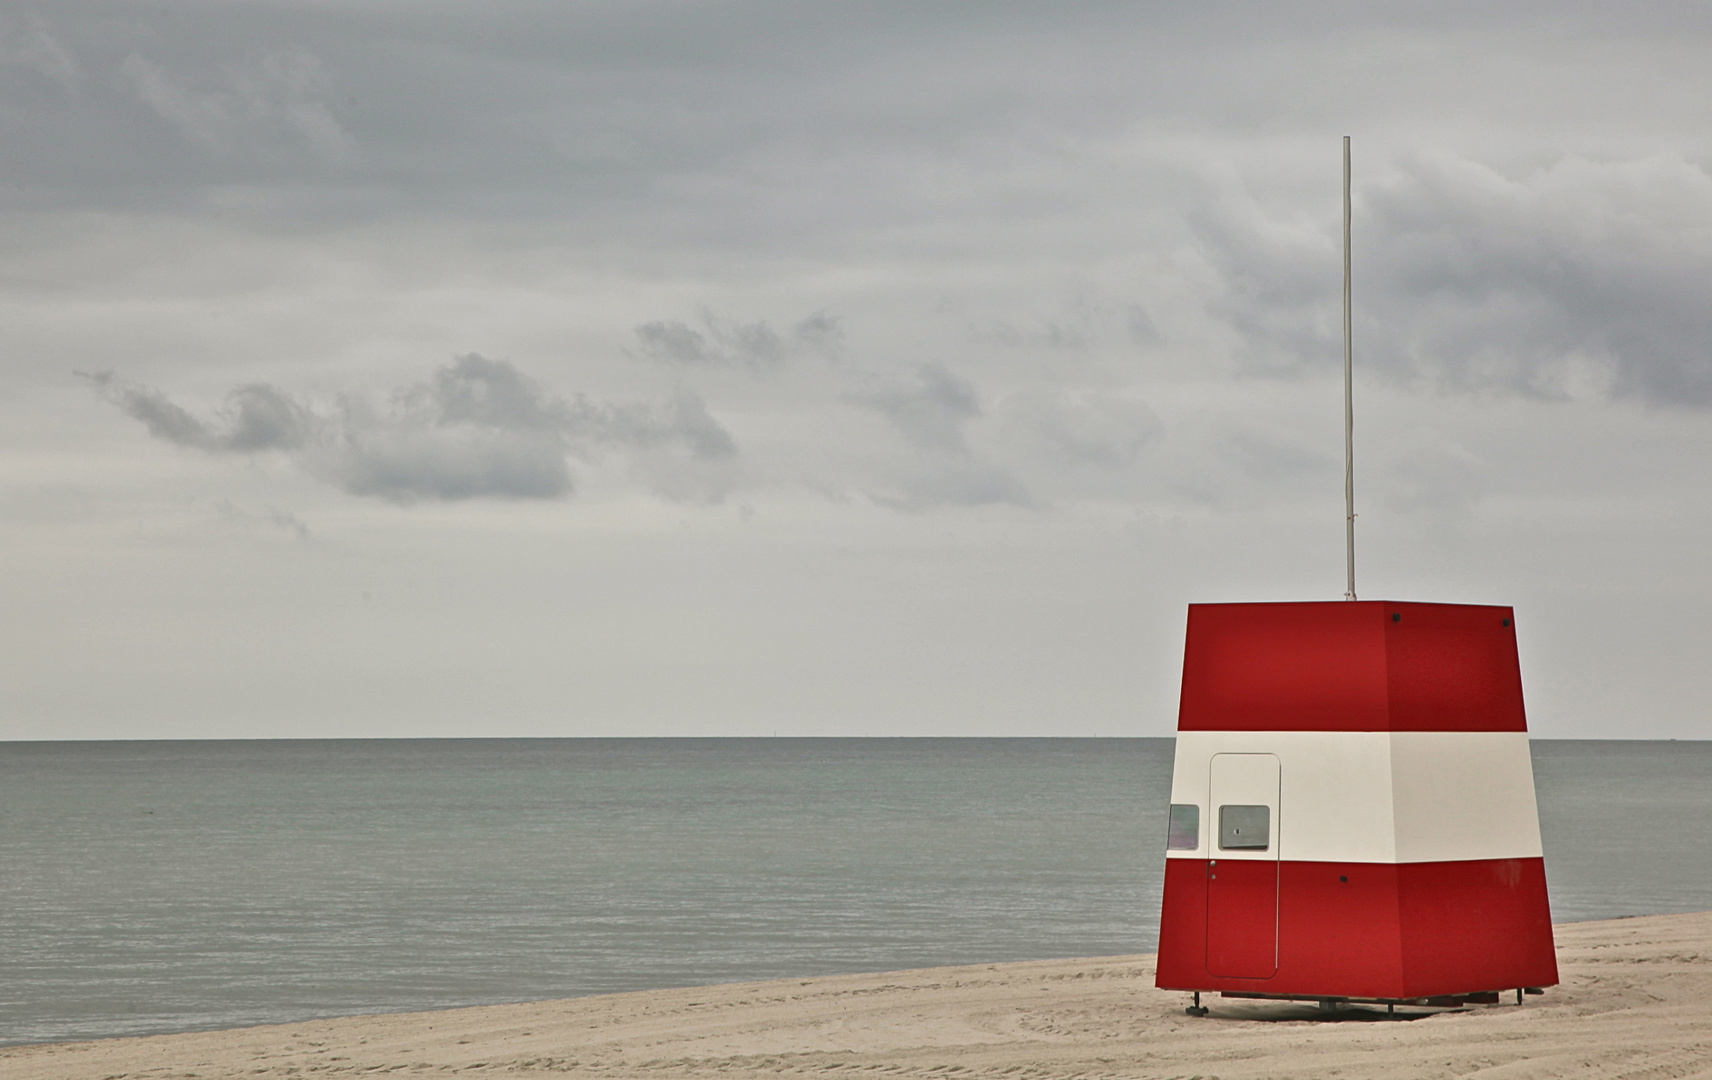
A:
(1348, 393)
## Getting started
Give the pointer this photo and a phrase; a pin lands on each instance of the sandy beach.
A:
(1636, 1001)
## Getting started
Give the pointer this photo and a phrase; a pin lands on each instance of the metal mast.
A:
(1348, 393)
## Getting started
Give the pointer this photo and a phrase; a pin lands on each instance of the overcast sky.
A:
(862, 368)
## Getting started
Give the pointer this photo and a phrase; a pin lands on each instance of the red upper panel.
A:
(1365, 665)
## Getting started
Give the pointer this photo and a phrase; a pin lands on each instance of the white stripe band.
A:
(1366, 796)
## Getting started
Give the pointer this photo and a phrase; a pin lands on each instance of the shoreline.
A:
(1636, 994)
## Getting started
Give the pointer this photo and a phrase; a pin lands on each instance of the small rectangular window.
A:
(1184, 833)
(1245, 828)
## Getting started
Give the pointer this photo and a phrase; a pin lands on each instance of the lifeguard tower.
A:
(1352, 805)
(1352, 808)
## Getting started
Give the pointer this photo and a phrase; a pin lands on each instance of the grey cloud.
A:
(681, 422)
(1271, 459)
(821, 332)
(1278, 285)
(1585, 279)
(930, 409)
(756, 343)
(1225, 463)
(261, 417)
(1141, 327)
(473, 389)
(1083, 428)
(478, 428)
(706, 474)
(1579, 280)
(273, 517)
(164, 419)
(724, 343)
(1434, 478)
(674, 341)
(271, 105)
(1049, 334)
(253, 418)
(953, 481)
(30, 44)
(686, 419)
(285, 519)
(406, 463)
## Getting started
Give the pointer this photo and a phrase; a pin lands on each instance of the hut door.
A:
(1242, 867)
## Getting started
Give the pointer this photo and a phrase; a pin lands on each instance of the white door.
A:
(1242, 866)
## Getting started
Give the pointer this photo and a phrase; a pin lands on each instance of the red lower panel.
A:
(1483, 923)
(1183, 926)
(1242, 918)
(1368, 929)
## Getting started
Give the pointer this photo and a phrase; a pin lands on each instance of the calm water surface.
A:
(170, 886)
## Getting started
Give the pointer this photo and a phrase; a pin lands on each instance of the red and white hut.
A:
(1352, 807)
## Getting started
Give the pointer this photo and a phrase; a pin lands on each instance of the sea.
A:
(173, 886)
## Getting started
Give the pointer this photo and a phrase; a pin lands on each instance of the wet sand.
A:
(1636, 1001)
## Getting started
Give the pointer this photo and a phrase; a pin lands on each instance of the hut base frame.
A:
(1439, 1001)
